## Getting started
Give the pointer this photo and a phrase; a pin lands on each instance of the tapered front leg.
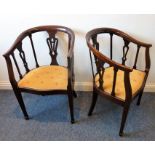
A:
(124, 117)
(21, 103)
(74, 94)
(71, 107)
(94, 99)
(139, 98)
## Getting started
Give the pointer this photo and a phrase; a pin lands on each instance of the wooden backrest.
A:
(52, 43)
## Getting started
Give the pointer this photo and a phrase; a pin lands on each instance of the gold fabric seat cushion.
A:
(45, 78)
(136, 80)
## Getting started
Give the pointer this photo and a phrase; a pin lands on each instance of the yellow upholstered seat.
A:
(136, 80)
(45, 78)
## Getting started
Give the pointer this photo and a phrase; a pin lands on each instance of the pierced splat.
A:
(125, 51)
(22, 56)
(52, 43)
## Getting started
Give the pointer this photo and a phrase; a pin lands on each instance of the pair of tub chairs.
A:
(116, 81)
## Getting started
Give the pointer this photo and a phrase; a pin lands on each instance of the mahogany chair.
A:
(117, 81)
(49, 79)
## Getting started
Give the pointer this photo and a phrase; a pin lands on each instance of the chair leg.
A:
(124, 117)
(21, 103)
(71, 107)
(139, 98)
(94, 99)
(73, 81)
(74, 94)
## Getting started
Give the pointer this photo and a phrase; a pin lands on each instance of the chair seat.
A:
(136, 80)
(45, 78)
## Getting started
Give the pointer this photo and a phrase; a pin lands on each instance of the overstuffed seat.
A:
(119, 79)
(45, 78)
(44, 73)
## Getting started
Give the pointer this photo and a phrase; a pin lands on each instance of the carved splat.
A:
(52, 43)
(22, 56)
(125, 51)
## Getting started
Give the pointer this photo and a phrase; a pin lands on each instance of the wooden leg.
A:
(124, 117)
(74, 94)
(21, 103)
(139, 98)
(94, 99)
(71, 107)
(73, 81)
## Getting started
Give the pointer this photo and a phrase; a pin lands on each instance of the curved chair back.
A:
(101, 61)
(52, 42)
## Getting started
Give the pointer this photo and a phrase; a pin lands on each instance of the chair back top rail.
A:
(51, 29)
(127, 39)
(52, 43)
(116, 32)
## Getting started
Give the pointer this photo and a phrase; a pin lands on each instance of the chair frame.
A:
(51, 30)
(101, 59)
